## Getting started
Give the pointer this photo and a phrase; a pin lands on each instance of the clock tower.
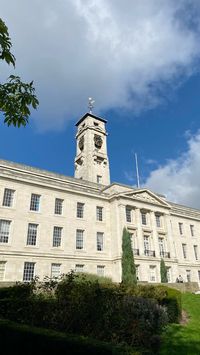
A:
(91, 161)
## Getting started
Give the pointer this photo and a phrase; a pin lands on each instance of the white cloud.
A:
(119, 52)
(179, 179)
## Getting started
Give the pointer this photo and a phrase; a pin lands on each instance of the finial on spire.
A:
(90, 104)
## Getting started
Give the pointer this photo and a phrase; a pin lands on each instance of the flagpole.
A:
(137, 172)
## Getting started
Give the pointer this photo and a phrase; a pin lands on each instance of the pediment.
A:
(148, 197)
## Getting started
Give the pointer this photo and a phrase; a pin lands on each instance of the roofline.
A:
(90, 114)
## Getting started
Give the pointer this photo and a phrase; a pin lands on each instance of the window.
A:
(55, 270)
(8, 197)
(146, 245)
(80, 209)
(158, 220)
(169, 276)
(100, 270)
(137, 269)
(161, 246)
(58, 206)
(188, 275)
(79, 239)
(35, 202)
(196, 252)
(4, 230)
(57, 234)
(199, 275)
(192, 230)
(99, 241)
(2, 270)
(152, 273)
(79, 268)
(32, 234)
(180, 226)
(132, 239)
(28, 271)
(128, 214)
(99, 213)
(184, 248)
(144, 218)
(99, 179)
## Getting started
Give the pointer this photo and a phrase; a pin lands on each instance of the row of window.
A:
(58, 209)
(29, 270)
(144, 217)
(181, 229)
(162, 248)
(195, 248)
(158, 219)
(57, 235)
(57, 239)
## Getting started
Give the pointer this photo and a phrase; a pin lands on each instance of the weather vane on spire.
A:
(90, 104)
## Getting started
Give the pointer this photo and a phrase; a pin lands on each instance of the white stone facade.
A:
(51, 224)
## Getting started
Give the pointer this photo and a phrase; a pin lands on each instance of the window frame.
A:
(196, 252)
(2, 270)
(192, 230)
(5, 234)
(79, 239)
(57, 237)
(99, 213)
(128, 214)
(180, 226)
(30, 271)
(35, 204)
(184, 250)
(80, 210)
(32, 234)
(58, 207)
(79, 267)
(55, 274)
(101, 270)
(144, 218)
(158, 218)
(100, 241)
(7, 198)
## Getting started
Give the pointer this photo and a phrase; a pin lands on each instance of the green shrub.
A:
(173, 303)
(84, 277)
(20, 290)
(105, 312)
(167, 297)
(108, 313)
(35, 340)
(148, 291)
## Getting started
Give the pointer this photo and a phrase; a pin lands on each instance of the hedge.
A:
(19, 339)
(173, 303)
(167, 297)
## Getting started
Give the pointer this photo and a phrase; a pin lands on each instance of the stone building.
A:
(51, 224)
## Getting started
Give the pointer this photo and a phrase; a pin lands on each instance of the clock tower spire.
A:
(91, 161)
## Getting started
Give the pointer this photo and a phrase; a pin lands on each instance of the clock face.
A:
(98, 141)
(81, 143)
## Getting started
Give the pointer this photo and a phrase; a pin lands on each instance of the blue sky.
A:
(141, 65)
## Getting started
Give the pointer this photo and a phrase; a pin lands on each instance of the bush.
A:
(167, 297)
(173, 303)
(85, 277)
(109, 313)
(20, 290)
(149, 291)
(35, 340)
(105, 312)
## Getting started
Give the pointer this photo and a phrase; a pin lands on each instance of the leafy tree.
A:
(16, 97)
(163, 271)
(128, 265)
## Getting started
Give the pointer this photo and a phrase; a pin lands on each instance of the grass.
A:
(184, 339)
